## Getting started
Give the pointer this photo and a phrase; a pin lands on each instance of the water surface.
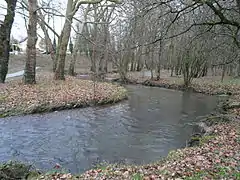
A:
(18, 73)
(143, 129)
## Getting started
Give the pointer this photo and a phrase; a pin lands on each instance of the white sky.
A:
(19, 29)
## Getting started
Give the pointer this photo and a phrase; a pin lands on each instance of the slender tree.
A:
(5, 33)
(72, 8)
(30, 66)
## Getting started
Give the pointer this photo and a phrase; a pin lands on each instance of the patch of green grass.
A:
(174, 154)
(56, 171)
(236, 175)
(206, 139)
(196, 176)
(232, 81)
(102, 166)
(2, 97)
(220, 173)
(238, 133)
(137, 176)
(3, 115)
(227, 172)
(213, 120)
(14, 170)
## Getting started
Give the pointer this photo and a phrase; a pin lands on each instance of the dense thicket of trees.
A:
(187, 37)
(191, 38)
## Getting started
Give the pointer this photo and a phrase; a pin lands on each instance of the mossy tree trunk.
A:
(5, 33)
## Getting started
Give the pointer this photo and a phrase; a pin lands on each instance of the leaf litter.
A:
(48, 94)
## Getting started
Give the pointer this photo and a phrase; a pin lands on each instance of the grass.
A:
(202, 140)
(221, 173)
(15, 170)
(137, 176)
(206, 139)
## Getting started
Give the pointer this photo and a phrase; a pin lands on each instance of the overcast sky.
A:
(19, 29)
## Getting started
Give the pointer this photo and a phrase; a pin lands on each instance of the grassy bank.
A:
(49, 95)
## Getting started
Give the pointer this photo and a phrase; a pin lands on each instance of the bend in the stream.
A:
(143, 129)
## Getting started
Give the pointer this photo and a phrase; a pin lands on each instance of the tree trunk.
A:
(223, 73)
(238, 68)
(71, 70)
(104, 55)
(159, 61)
(230, 70)
(132, 65)
(5, 32)
(186, 69)
(63, 43)
(139, 59)
(49, 44)
(172, 70)
(30, 66)
(152, 63)
(62, 49)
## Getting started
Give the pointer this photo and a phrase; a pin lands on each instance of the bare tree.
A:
(5, 32)
(78, 41)
(30, 66)
(72, 8)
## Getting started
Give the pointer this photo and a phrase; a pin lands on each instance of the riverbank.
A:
(206, 87)
(216, 156)
(211, 85)
(49, 95)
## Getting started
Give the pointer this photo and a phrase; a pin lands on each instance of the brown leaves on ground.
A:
(202, 86)
(216, 87)
(208, 85)
(47, 94)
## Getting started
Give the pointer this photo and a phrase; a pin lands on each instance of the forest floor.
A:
(208, 85)
(50, 95)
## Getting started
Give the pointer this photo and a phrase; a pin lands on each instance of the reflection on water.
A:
(143, 129)
(16, 74)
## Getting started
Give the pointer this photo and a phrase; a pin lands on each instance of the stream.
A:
(139, 130)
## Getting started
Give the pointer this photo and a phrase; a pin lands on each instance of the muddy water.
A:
(143, 129)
